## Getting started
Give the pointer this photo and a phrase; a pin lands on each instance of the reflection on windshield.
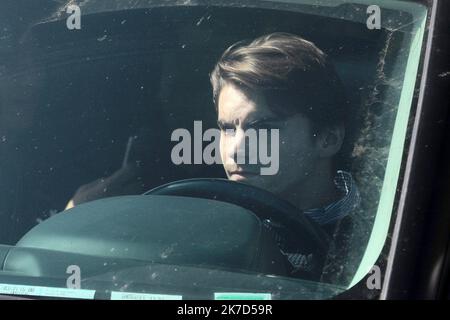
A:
(291, 123)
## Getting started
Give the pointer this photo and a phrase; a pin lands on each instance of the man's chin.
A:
(243, 177)
(258, 181)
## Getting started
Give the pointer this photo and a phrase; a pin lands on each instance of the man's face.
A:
(239, 111)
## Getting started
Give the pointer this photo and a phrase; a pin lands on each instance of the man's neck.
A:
(317, 191)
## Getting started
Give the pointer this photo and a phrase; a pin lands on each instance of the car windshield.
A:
(201, 149)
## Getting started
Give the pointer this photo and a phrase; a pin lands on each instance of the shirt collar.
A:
(337, 210)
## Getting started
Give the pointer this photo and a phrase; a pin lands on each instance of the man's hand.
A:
(127, 180)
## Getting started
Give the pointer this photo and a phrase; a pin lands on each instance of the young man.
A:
(281, 81)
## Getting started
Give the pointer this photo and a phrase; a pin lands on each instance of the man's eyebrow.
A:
(221, 123)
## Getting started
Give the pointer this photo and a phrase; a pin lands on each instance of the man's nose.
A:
(237, 147)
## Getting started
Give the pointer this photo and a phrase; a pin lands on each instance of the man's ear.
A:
(329, 140)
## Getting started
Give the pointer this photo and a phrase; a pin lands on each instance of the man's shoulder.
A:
(349, 237)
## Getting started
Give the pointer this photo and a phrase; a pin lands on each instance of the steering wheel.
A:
(306, 234)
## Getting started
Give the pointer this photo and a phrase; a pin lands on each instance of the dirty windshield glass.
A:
(200, 149)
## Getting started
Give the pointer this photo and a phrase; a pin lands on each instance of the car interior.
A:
(141, 73)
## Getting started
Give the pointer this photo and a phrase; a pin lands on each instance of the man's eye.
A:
(228, 129)
(258, 126)
(264, 125)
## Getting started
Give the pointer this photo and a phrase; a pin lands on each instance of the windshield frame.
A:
(404, 169)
